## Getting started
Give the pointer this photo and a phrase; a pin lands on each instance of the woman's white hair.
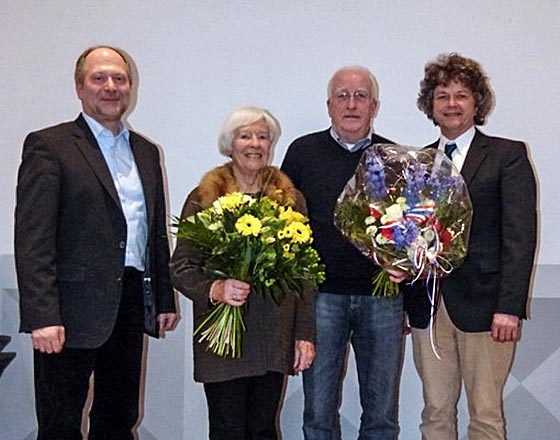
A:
(247, 116)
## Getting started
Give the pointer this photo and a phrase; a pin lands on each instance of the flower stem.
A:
(222, 329)
(383, 286)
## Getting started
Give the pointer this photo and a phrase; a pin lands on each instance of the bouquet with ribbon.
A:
(256, 240)
(407, 208)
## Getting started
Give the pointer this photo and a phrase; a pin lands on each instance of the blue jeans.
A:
(373, 325)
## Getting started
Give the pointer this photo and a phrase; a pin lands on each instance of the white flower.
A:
(429, 235)
(215, 226)
(380, 239)
(402, 203)
(217, 205)
(248, 199)
(392, 213)
(419, 245)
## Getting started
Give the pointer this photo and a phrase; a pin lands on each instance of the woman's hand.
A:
(304, 355)
(230, 291)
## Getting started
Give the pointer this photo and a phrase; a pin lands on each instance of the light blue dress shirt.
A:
(120, 160)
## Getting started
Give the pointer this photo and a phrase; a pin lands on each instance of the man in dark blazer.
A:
(478, 321)
(92, 256)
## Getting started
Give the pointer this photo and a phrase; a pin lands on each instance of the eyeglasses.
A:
(359, 96)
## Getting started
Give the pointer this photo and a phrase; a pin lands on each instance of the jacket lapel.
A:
(146, 171)
(476, 155)
(87, 144)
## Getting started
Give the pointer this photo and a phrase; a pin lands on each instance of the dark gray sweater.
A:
(320, 168)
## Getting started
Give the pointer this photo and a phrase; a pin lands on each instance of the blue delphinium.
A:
(415, 183)
(374, 175)
(404, 234)
(442, 186)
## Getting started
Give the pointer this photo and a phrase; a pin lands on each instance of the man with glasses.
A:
(320, 164)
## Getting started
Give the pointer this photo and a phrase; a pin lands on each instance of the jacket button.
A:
(122, 244)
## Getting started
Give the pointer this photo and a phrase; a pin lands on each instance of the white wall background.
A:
(198, 60)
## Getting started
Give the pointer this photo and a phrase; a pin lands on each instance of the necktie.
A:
(449, 149)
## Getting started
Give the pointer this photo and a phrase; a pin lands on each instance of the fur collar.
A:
(221, 181)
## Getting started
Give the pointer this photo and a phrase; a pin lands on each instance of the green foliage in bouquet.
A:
(255, 240)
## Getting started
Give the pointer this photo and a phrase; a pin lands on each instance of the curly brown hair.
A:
(454, 67)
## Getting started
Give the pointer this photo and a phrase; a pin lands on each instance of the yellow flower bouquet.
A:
(256, 240)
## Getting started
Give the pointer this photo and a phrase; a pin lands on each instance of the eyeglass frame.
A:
(360, 96)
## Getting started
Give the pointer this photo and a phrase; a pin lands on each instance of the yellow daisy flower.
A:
(230, 201)
(290, 216)
(285, 233)
(248, 225)
(300, 232)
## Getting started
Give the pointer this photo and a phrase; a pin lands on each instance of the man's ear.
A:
(79, 89)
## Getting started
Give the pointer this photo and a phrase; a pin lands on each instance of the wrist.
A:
(211, 293)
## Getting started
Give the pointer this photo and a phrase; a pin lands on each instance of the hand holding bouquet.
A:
(255, 240)
(409, 209)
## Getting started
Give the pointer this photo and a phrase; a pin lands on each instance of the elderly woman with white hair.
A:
(243, 394)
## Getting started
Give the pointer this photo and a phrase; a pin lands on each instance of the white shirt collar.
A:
(352, 147)
(463, 142)
(99, 130)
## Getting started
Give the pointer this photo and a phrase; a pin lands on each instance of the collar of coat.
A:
(221, 181)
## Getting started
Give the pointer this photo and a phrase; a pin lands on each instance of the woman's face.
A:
(251, 146)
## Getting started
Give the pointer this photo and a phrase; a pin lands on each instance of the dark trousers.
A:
(62, 380)
(244, 409)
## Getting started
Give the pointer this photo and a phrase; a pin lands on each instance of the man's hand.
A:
(506, 328)
(304, 355)
(49, 339)
(396, 275)
(166, 322)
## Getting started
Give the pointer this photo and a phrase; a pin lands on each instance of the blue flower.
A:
(443, 185)
(415, 183)
(404, 234)
(374, 175)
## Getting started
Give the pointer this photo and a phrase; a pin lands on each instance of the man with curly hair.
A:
(482, 303)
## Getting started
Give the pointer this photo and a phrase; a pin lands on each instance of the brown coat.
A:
(272, 330)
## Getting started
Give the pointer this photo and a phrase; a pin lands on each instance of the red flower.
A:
(387, 233)
(373, 212)
(445, 236)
